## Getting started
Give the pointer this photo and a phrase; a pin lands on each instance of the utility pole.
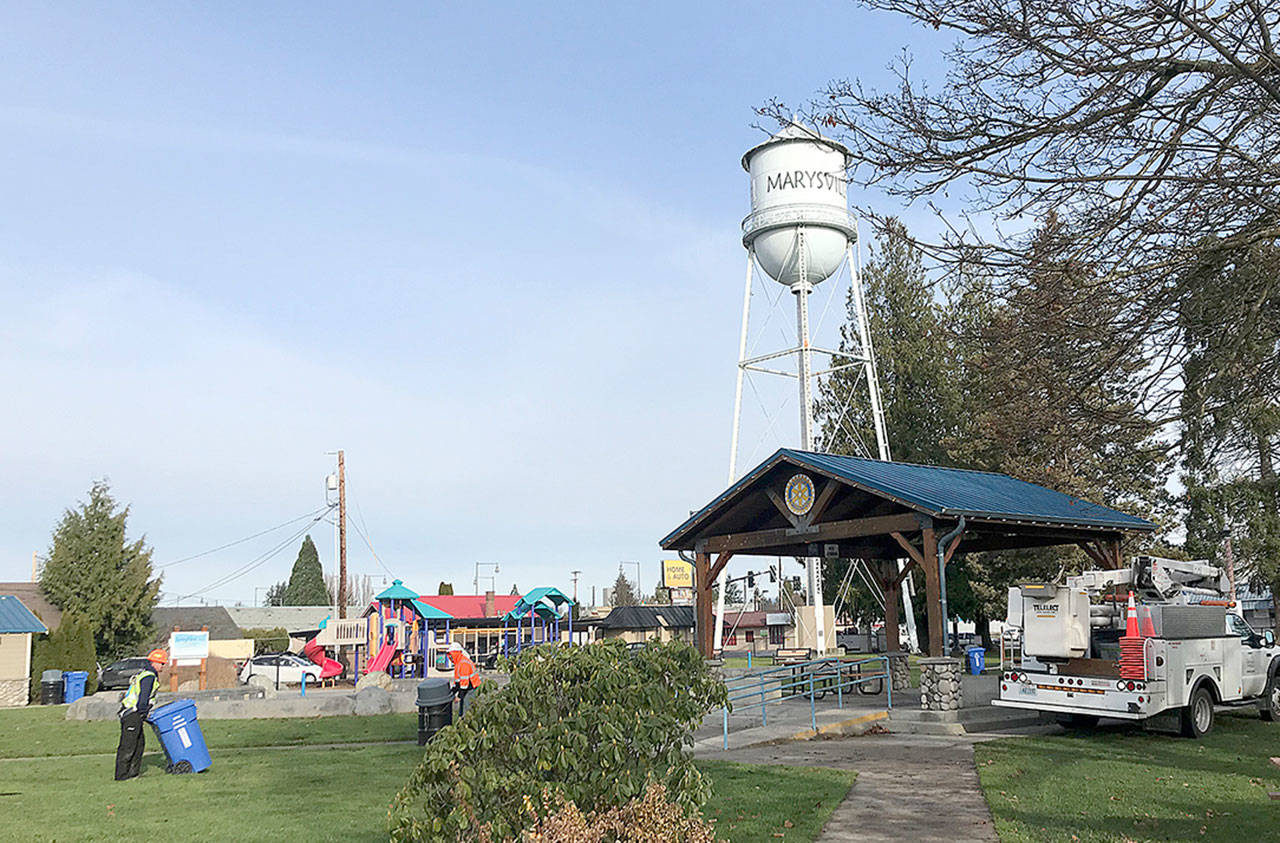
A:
(575, 586)
(1230, 562)
(33, 566)
(342, 536)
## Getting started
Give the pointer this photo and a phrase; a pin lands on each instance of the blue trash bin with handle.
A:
(977, 660)
(179, 732)
(73, 684)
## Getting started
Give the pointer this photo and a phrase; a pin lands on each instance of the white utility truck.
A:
(1066, 649)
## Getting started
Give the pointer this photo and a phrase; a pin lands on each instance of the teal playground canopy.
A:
(397, 591)
(545, 603)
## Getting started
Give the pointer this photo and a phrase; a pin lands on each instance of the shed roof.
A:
(288, 617)
(15, 617)
(648, 617)
(927, 490)
(221, 626)
(34, 598)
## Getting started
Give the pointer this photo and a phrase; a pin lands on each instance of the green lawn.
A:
(1128, 785)
(750, 802)
(301, 793)
(42, 730)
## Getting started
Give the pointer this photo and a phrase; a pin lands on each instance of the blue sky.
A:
(492, 251)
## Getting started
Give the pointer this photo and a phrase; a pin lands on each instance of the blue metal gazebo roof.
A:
(16, 617)
(940, 492)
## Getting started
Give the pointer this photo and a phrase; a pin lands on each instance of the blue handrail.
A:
(804, 678)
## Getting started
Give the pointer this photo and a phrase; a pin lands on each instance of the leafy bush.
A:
(595, 725)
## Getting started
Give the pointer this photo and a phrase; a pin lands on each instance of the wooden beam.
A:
(703, 622)
(762, 540)
(721, 561)
(782, 507)
(933, 593)
(820, 505)
(950, 550)
(911, 549)
(905, 572)
(892, 605)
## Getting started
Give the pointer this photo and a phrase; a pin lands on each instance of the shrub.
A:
(272, 640)
(69, 647)
(595, 725)
(641, 820)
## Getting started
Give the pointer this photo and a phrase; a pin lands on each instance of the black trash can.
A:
(51, 687)
(435, 707)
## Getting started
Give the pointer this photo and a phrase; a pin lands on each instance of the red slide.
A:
(329, 668)
(384, 657)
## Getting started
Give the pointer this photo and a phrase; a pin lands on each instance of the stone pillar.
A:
(940, 688)
(899, 673)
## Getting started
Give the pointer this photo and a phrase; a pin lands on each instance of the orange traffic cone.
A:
(1148, 625)
(1131, 619)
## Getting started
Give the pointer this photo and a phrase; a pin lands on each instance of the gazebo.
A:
(807, 504)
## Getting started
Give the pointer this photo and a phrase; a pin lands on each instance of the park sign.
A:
(676, 573)
(188, 648)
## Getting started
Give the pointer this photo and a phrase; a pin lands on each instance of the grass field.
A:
(305, 791)
(1128, 785)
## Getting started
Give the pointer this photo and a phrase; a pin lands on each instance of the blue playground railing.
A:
(817, 677)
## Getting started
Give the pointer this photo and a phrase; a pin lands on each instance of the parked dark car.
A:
(116, 675)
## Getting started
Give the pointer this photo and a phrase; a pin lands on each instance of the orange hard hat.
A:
(158, 656)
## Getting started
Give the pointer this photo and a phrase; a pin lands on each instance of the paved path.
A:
(909, 787)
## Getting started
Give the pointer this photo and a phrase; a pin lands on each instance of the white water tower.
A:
(800, 233)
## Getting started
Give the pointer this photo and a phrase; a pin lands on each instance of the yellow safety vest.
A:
(130, 701)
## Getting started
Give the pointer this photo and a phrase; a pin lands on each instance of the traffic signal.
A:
(751, 579)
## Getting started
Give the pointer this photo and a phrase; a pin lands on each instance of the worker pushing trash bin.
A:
(134, 708)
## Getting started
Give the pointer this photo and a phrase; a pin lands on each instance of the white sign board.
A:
(186, 648)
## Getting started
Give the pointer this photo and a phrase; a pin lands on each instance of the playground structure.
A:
(404, 632)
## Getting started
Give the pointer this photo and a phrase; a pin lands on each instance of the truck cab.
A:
(1259, 655)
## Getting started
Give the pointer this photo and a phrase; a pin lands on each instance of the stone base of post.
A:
(899, 672)
(940, 686)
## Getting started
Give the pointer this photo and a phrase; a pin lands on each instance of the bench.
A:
(792, 655)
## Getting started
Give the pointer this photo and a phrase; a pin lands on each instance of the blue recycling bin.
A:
(179, 732)
(977, 659)
(73, 684)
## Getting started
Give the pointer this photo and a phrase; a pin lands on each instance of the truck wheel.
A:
(1197, 716)
(1269, 708)
(1079, 721)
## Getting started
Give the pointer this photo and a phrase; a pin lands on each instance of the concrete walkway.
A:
(909, 787)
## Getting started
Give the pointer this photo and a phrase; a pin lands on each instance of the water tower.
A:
(799, 234)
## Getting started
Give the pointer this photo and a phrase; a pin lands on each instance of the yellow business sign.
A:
(676, 573)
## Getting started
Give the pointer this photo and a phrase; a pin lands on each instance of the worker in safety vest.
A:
(134, 708)
(465, 675)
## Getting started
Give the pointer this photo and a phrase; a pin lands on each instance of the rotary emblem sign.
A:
(799, 496)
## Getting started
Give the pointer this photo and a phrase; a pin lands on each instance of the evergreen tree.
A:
(1230, 442)
(69, 647)
(275, 594)
(917, 364)
(94, 571)
(306, 582)
(623, 592)
(446, 588)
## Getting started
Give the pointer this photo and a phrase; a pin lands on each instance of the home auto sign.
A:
(188, 648)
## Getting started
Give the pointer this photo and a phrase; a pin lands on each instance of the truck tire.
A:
(1269, 707)
(1197, 716)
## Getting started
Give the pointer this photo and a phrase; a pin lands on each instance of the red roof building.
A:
(472, 606)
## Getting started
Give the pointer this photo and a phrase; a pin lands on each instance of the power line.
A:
(259, 560)
(243, 540)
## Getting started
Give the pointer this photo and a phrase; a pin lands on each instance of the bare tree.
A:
(1152, 127)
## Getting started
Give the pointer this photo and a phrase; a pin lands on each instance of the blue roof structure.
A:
(397, 591)
(15, 617)
(935, 491)
(545, 602)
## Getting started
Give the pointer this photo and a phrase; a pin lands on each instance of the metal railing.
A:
(812, 679)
